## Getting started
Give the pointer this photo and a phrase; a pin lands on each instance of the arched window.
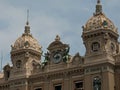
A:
(96, 83)
(7, 75)
(18, 63)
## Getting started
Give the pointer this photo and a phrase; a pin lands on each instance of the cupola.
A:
(99, 21)
(26, 41)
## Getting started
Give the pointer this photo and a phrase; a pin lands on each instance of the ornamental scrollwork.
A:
(66, 54)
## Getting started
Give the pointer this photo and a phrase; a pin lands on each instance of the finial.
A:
(98, 8)
(57, 38)
(27, 27)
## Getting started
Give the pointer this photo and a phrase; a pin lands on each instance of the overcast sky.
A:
(48, 18)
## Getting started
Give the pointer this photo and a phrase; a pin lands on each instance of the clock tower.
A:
(58, 53)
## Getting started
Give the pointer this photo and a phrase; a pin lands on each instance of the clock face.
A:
(57, 57)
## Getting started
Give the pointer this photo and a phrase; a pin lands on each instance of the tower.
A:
(24, 52)
(100, 38)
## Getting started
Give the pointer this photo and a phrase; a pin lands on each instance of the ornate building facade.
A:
(99, 69)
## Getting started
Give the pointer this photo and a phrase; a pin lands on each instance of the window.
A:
(58, 87)
(95, 46)
(38, 89)
(18, 64)
(8, 74)
(79, 85)
(96, 83)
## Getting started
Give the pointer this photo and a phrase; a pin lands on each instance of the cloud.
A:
(49, 18)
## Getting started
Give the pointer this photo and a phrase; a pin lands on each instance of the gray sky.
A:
(49, 18)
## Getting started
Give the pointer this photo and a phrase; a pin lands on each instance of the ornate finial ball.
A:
(27, 23)
(57, 38)
(98, 1)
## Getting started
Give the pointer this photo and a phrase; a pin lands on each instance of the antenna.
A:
(27, 16)
(1, 60)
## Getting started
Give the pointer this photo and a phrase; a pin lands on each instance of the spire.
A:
(27, 27)
(98, 7)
